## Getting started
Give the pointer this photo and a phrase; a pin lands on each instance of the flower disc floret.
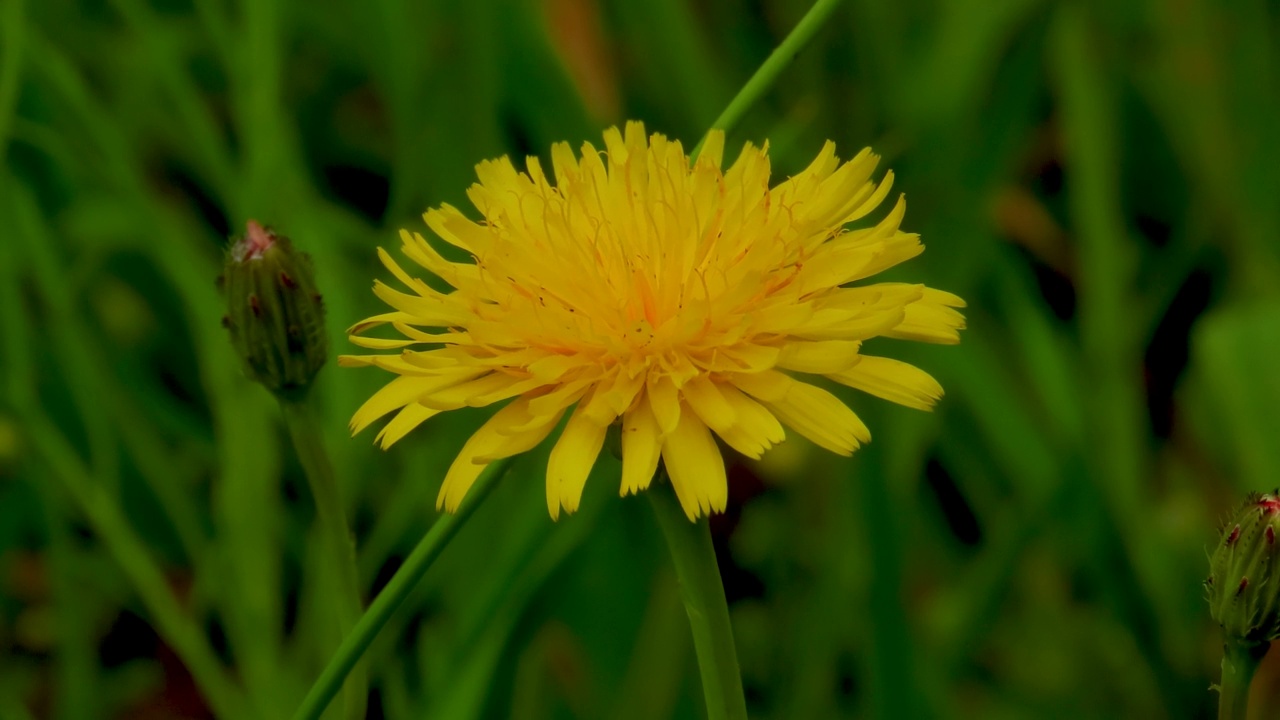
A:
(638, 287)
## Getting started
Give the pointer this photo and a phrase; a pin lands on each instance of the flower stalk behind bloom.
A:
(674, 297)
(694, 558)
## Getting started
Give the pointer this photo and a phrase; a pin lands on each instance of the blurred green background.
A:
(1097, 179)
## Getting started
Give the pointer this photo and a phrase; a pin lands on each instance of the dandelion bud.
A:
(274, 311)
(1244, 580)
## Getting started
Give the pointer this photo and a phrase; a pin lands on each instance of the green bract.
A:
(274, 312)
(1243, 586)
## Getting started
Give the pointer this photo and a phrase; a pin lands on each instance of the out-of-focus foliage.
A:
(1098, 179)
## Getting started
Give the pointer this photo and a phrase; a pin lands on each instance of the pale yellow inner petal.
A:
(571, 461)
(641, 446)
(696, 469)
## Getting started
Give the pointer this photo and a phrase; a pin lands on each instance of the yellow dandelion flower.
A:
(674, 297)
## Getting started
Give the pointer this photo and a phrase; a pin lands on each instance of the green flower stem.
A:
(1239, 663)
(332, 516)
(773, 66)
(394, 594)
(704, 601)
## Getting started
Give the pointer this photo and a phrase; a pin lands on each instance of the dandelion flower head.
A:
(675, 298)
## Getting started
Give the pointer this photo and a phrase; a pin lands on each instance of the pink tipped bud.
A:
(1244, 579)
(256, 242)
(274, 311)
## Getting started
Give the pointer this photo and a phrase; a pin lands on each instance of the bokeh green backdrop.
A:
(1098, 179)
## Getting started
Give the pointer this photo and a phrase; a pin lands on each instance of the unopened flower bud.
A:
(274, 311)
(1244, 580)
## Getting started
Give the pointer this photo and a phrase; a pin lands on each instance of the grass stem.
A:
(331, 513)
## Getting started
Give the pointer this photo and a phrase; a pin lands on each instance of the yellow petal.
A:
(394, 363)
(892, 380)
(571, 462)
(783, 317)
(755, 428)
(821, 417)
(616, 148)
(878, 296)
(413, 283)
(560, 398)
(612, 397)
(381, 343)
(479, 392)
(641, 445)
(807, 181)
(931, 319)
(837, 194)
(489, 442)
(435, 360)
(377, 320)
(895, 251)
(564, 164)
(433, 312)
(531, 432)
(807, 409)
(406, 420)
(751, 357)
(696, 468)
(665, 401)
(454, 228)
(533, 166)
(552, 368)
(769, 385)
(858, 210)
(398, 393)
(703, 396)
(860, 254)
(862, 327)
(463, 276)
(820, 357)
(452, 337)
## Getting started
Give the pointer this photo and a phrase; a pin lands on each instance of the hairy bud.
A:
(274, 311)
(1244, 581)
